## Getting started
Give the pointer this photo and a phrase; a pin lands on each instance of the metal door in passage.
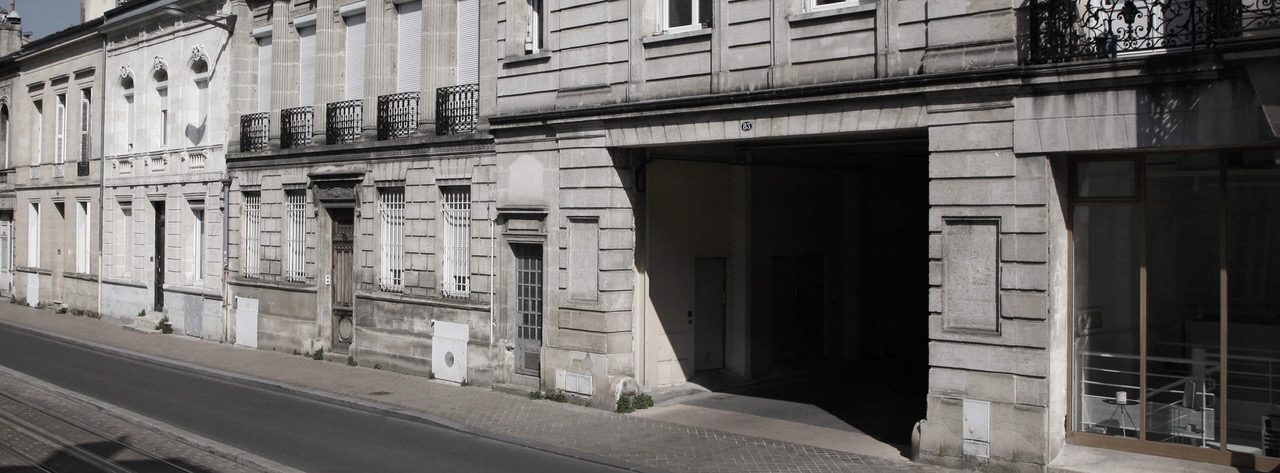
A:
(708, 313)
(159, 257)
(528, 305)
(343, 244)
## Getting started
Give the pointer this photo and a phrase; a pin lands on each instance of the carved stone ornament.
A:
(158, 65)
(198, 54)
(335, 193)
(126, 72)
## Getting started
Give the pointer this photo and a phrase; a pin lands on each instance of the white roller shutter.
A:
(469, 41)
(264, 74)
(410, 60)
(307, 69)
(355, 57)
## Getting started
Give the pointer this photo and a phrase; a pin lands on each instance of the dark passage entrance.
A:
(159, 255)
(343, 284)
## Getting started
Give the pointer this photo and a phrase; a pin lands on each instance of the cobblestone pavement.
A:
(646, 443)
(41, 429)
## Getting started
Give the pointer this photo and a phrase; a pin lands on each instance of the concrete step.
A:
(146, 323)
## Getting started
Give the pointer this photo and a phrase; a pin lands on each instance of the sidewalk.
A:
(626, 441)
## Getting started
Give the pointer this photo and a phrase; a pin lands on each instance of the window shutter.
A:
(84, 125)
(468, 41)
(264, 74)
(307, 71)
(60, 132)
(355, 57)
(410, 64)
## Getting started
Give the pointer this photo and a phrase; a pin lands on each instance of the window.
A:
(126, 223)
(39, 106)
(4, 131)
(537, 24)
(60, 131)
(1173, 263)
(409, 67)
(264, 69)
(252, 214)
(201, 70)
(33, 236)
(129, 131)
(197, 241)
(816, 5)
(85, 112)
(457, 240)
(162, 91)
(355, 56)
(295, 214)
(391, 215)
(307, 60)
(468, 69)
(82, 237)
(685, 15)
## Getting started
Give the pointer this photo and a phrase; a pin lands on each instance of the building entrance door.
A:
(708, 313)
(159, 256)
(6, 258)
(343, 244)
(528, 308)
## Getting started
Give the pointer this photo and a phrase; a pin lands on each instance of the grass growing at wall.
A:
(164, 326)
(630, 403)
(318, 355)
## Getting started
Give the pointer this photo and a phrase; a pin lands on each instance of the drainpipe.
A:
(102, 163)
(493, 279)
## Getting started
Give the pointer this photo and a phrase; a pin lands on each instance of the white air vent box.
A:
(449, 351)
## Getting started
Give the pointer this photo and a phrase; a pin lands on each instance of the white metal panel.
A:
(468, 41)
(82, 237)
(449, 351)
(355, 57)
(264, 74)
(409, 70)
(33, 289)
(247, 322)
(977, 428)
(307, 63)
(33, 236)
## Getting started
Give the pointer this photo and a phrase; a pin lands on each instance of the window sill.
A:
(667, 37)
(832, 13)
(522, 59)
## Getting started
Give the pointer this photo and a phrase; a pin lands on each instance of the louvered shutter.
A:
(307, 71)
(469, 41)
(84, 125)
(355, 57)
(264, 74)
(410, 63)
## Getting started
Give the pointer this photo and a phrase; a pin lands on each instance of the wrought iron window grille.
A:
(343, 121)
(296, 127)
(1073, 30)
(397, 115)
(457, 109)
(82, 167)
(255, 129)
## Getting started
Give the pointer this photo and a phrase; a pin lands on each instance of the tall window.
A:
(126, 227)
(685, 15)
(264, 69)
(201, 70)
(468, 41)
(307, 69)
(355, 56)
(39, 151)
(33, 236)
(537, 21)
(82, 237)
(391, 215)
(4, 129)
(409, 67)
(1173, 255)
(295, 214)
(457, 240)
(252, 214)
(162, 92)
(197, 241)
(60, 131)
(129, 131)
(86, 97)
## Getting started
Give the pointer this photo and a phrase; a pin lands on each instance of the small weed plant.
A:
(351, 361)
(633, 402)
(535, 395)
(318, 355)
(557, 396)
(164, 326)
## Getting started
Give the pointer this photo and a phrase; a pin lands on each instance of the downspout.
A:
(493, 279)
(226, 304)
(102, 163)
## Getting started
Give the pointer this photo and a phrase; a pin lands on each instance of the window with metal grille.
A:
(456, 207)
(295, 207)
(528, 308)
(252, 213)
(391, 214)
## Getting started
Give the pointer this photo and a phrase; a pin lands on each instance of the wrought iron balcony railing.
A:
(1072, 30)
(82, 167)
(343, 121)
(457, 109)
(255, 130)
(296, 127)
(397, 115)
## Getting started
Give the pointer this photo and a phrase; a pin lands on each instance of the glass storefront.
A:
(1176, 300)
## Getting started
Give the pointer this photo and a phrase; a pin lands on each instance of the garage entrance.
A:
(794, 264)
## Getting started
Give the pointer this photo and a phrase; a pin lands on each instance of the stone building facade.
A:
(10, 42)
(56, 113)
(170, 72)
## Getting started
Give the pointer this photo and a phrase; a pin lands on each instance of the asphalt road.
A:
(300, 433)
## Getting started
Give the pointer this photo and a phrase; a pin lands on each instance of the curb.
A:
(330, 398)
